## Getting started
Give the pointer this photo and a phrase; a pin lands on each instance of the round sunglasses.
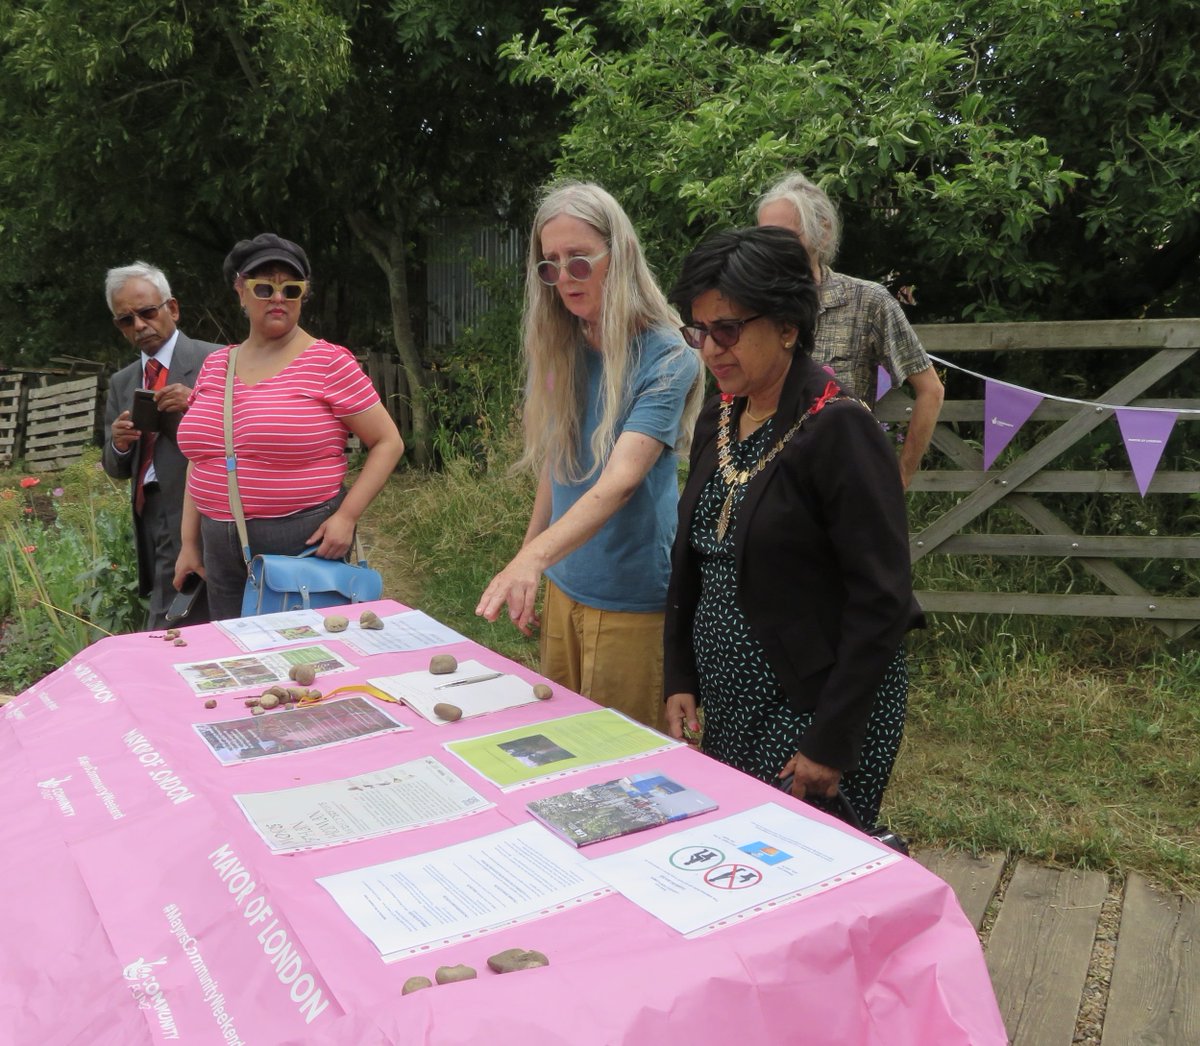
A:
(724, 333)
(578, 268)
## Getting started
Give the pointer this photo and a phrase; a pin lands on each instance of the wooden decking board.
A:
(1154, 998)
(973, 879)
(1039, 950)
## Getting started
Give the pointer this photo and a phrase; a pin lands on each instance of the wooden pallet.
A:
(1039, 944)
(10, 415)
(60, 422)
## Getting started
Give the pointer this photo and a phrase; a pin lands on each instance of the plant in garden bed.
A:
(68, 573)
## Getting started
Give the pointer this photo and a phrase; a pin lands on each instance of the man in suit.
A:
(145, 312)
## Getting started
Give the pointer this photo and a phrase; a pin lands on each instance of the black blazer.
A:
(823, 571)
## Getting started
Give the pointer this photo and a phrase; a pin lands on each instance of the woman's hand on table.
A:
(516, 585)
(682, 723)
(335, 535)
(811, 779)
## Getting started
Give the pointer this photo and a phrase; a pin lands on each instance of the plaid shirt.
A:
(860, 327)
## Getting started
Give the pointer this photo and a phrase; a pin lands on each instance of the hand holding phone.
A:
(185, 598)
(144, 414)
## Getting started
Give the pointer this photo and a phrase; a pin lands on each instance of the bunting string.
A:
(1144, 430)
(1059, 399)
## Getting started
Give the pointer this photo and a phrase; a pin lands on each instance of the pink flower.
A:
(28, 511)
(29, 550)
(58, 492)
(29, 481)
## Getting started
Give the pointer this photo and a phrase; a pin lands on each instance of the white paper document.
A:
(411, 630)
(274, 630)
(432, 899)
(713, 875)
(394, 799)
(474, 688)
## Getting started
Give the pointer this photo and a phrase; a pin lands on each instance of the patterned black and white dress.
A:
(747, 722)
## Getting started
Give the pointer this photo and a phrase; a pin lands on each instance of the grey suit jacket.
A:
(169, 463)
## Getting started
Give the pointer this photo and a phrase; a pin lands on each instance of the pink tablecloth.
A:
(139, 905)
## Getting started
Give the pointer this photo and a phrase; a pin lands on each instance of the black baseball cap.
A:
(248, 255)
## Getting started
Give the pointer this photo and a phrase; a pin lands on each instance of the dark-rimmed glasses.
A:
(292, 290)
(724, 333)
(126, 320)
(578, 268)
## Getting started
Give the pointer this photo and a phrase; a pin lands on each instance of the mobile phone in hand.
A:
(144, 414)
(185, 598)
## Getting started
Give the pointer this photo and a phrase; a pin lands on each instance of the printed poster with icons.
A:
(228, 674)
(704, 878)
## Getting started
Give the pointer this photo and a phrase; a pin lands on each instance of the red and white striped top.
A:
(288, 435)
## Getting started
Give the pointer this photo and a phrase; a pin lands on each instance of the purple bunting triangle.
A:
(883, 383)
(1145, 433)
(1005, 409)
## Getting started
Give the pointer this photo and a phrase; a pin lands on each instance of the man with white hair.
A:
(145, 312)
(860, 326)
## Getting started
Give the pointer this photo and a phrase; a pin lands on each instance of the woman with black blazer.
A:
(791, 588)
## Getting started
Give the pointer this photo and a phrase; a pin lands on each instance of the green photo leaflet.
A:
(558, 747)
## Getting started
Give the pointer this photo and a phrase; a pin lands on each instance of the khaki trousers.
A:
(613, 657)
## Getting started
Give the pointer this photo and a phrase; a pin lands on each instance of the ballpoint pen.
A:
(469, 679)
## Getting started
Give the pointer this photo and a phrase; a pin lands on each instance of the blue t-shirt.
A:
(626, 564)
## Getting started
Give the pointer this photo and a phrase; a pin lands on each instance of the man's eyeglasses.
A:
(292, 290)
(127, 319)
(578, 268)
(724, 333)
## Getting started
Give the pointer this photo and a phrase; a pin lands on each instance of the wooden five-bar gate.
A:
(1157, 350)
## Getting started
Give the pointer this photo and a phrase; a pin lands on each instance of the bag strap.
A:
(235, 498)
(849, 814)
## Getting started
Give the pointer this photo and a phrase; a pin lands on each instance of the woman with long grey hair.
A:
(611, 396)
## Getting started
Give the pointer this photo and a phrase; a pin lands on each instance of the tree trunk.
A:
(389, 249)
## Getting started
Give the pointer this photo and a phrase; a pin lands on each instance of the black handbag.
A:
(839, 806)
(881, 834)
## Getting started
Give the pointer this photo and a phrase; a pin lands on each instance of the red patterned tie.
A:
(156, 378)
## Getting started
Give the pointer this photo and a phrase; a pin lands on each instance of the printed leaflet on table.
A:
(556, 747)
(705, 877)
(629, 804)
(411, 630)
(267, 631)
(432, 899)
(409, 795)
(473, 688)
(295, 729)
(257, 671)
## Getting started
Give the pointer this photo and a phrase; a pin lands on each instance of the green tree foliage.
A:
(133, 128)
(1016, 159)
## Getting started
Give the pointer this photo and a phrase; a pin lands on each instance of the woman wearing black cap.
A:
(296, 399)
